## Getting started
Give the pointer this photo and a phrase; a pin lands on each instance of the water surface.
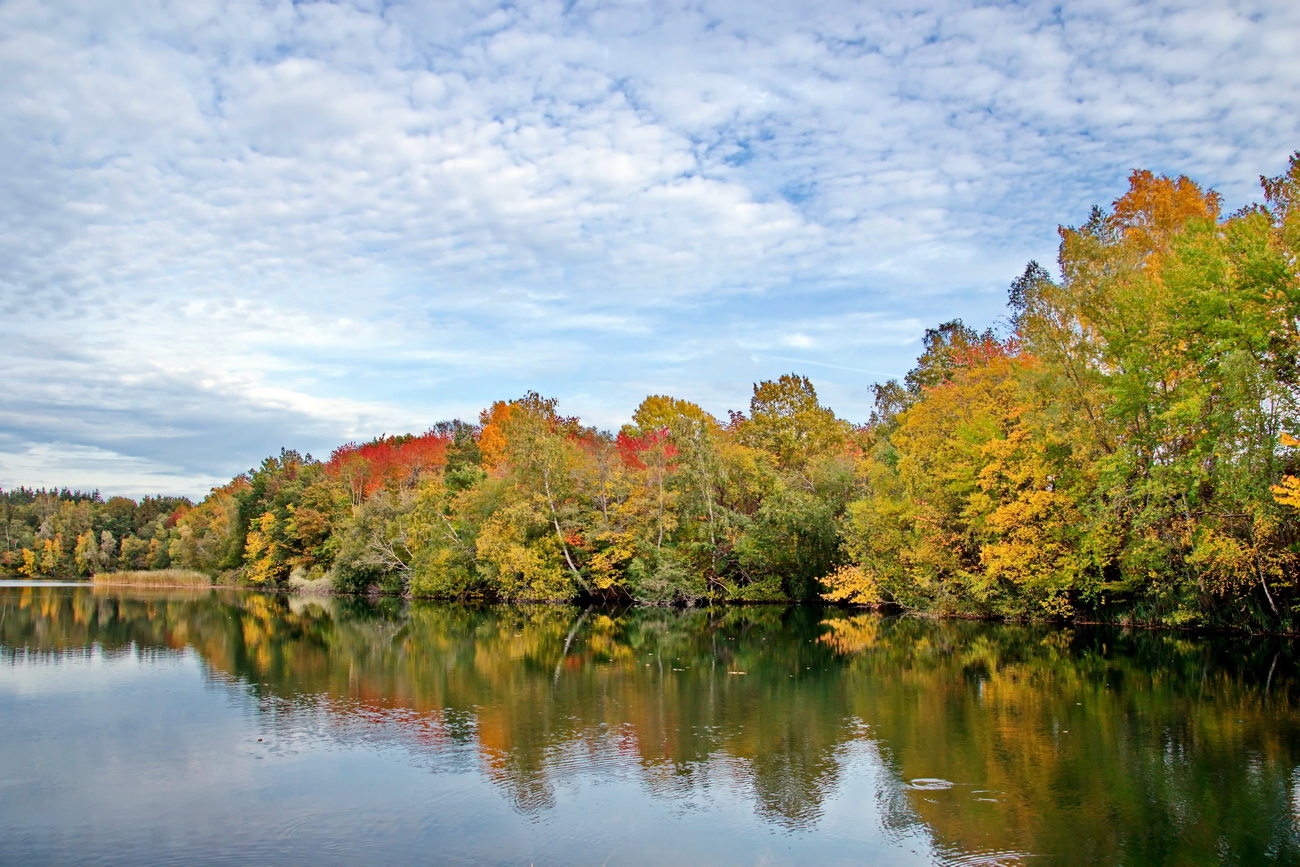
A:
(149, 726)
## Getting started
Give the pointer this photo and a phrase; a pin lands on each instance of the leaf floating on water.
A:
(735, 672)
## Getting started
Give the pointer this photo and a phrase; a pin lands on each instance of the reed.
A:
(154, 578)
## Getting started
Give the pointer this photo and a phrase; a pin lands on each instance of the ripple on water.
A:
(985, 859)
(930, 784)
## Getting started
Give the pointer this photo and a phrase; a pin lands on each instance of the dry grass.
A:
(316, 586)
(154, 578)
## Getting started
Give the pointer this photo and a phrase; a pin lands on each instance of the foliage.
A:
(1120, 453)
(64, 533)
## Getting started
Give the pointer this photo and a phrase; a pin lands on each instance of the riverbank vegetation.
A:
(1119, 451)
(154, 578)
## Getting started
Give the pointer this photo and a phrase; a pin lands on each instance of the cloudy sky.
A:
(228, 226)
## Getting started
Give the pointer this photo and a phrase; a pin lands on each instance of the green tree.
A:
(786, 421)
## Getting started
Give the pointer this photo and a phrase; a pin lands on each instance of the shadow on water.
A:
(998, 741)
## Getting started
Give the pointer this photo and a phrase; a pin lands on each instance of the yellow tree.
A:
(1034, 552)
(529, 444)
(86, 554)
(263, 555)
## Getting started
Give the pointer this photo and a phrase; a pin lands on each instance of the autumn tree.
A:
(786, 421)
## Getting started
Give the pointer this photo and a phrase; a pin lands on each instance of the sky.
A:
(231, 226)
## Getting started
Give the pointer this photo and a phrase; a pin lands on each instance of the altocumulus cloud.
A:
(231, 226)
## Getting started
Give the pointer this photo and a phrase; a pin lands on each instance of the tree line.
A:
(67, 533)
(1119, 450)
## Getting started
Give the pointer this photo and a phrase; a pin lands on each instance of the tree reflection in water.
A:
(1084, 744)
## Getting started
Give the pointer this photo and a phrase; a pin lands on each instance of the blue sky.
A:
(233, 226)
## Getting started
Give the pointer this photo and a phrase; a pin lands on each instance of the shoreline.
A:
(885, 610)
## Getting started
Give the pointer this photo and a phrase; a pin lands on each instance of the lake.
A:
(220, 726)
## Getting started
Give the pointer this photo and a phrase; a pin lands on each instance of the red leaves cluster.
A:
(388, 460)
(632, 449)
(982, 351)
(175, 516)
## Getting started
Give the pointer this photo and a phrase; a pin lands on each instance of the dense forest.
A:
(63, 533)
(1119, 450)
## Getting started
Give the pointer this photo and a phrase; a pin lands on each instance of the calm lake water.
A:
(219, 726)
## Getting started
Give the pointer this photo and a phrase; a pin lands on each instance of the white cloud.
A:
(86, 468)
(346, 218)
